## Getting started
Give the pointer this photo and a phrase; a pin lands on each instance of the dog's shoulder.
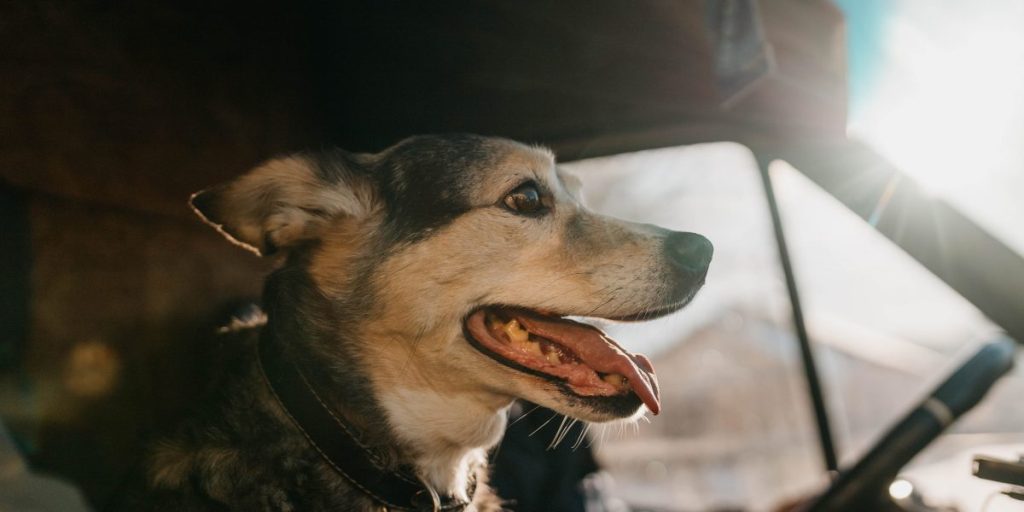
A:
(209, 463)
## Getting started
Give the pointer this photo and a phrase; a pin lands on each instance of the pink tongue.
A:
(599, 352)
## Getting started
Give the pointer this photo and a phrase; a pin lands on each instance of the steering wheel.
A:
(863, 485)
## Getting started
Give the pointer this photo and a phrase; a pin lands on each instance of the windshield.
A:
(737, 428)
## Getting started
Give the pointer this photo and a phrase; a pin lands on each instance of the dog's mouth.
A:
(579, 356)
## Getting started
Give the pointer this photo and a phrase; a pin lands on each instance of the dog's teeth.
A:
(520, 338)
(615, 380)
(516, 333)
(553, 358)
(534, 348)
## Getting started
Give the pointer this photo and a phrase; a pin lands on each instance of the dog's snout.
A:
(689, 253)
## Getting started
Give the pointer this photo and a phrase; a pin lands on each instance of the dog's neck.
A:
(443, 434)
(448, 435)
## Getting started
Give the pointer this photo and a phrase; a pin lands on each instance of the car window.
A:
(737, 428)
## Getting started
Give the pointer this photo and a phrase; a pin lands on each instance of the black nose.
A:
(689, 253)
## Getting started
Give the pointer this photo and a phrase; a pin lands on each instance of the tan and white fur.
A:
(383, 257)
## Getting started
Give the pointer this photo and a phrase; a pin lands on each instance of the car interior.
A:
(856, 164)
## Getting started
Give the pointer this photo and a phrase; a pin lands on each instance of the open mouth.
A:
(579, 356)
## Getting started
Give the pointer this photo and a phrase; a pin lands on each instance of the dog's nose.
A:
(689, 253)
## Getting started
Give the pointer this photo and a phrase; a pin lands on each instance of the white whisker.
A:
(525, 414)
(542, 425)
(582, 436)
(559, 433)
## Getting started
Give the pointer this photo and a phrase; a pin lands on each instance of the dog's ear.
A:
(283, 202)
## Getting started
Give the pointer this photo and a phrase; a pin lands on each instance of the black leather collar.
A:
(339, 445)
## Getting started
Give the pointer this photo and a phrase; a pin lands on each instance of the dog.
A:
(421, 290)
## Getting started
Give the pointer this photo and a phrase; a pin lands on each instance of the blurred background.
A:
(112, 113)
(938, 89)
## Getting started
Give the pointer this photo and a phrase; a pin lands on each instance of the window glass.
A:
(737, 428)
(892, 331)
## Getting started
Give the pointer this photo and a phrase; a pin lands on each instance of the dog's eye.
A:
(524, 199)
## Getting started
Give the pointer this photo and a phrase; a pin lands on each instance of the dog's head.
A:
(464, 256)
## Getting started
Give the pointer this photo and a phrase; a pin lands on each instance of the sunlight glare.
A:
(944, 102)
